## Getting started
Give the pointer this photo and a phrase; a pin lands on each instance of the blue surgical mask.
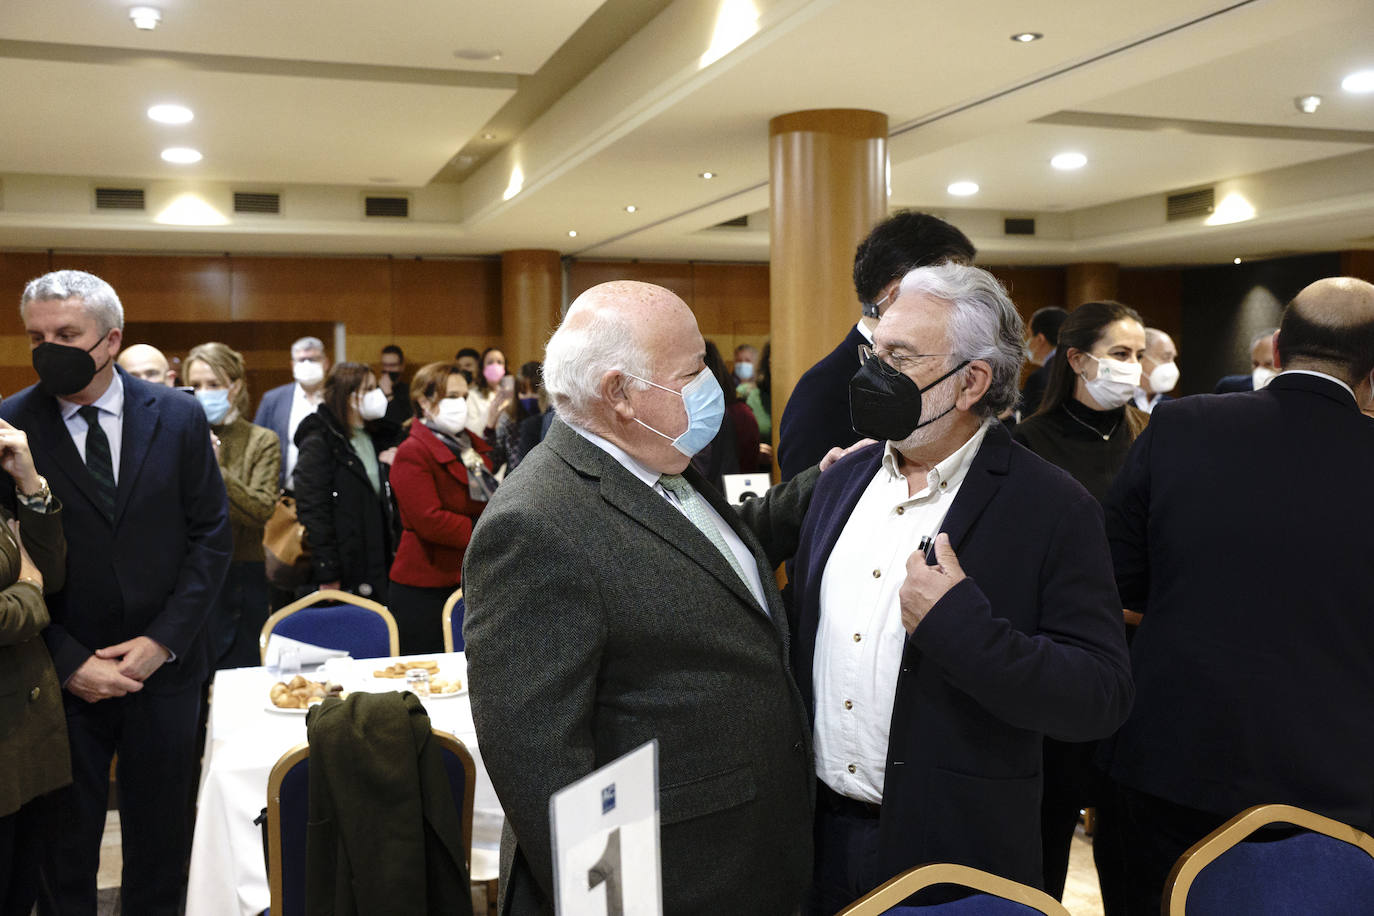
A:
(744, 371)
(215, 401)
(705, 404)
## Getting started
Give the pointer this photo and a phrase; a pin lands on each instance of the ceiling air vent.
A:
(119, 198)
(256, 202)
(394, 207)
(1191, 204)
(1018, 225)
(739, 222)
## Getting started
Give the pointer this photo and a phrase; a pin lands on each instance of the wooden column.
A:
(531, 298)
(827, 190)
(1090, 282)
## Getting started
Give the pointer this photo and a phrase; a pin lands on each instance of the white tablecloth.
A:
(244, 740)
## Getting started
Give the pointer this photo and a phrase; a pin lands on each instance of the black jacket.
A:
(347, 523)
(816, 418)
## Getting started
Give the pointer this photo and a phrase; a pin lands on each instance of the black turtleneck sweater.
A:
(1089, 444)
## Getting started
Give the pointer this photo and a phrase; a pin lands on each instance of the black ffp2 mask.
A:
(64, 370)
(885, 404)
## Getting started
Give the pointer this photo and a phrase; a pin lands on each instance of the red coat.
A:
(431, 489)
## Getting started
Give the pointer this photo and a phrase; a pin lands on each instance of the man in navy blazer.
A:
(932, 671)
(1254, 664)
(148, 544)
(1261, 366)
(816, 418)
(283, 408)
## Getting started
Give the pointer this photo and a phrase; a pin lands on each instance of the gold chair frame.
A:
(1211, 847)
(328, 596)
(892, 892)
(447, 618)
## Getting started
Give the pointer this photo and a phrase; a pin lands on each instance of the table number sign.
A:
(605, 840)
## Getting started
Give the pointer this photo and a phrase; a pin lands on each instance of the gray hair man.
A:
(283, 408)
(614, 597)
(954, 603)
(1262, 366)
(1158, 370)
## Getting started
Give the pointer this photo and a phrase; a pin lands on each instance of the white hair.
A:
(305, 345)
(983, 325)
(97, 296)
(1262, 336)
(583, 350)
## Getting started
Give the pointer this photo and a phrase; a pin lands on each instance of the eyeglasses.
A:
(891, 363)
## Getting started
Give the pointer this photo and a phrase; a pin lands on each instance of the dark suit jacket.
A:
(157, 569)
(1034, 391)
(598, 617)
(1230, 383)
(816, 418)
(274, 413)
(1239, 527)
(1030, 644)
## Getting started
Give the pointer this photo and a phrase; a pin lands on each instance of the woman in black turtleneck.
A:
(1086, 426)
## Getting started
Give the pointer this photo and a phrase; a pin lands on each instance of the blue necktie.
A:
(98, 460)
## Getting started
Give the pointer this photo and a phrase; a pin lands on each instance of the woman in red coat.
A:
(442, 480)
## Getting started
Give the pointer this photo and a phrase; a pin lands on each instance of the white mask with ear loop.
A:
(1116, 381)
(372, 406)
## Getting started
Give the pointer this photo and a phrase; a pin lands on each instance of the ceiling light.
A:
(572, 233)
(1362, 81)
(145, 17)
(1233, 209)
(963, 188)
(478, 54)
(181, 155)
(1307, 104)
(1025, 37)
(1235, 260)
(708, 175)
(631, 208)
(1067, 162)
(488, 135)
(170, 114)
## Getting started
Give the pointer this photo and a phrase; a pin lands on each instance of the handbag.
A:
(285, 551)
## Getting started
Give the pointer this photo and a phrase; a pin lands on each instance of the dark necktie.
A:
(98, 460)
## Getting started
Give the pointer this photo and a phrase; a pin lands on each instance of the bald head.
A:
(145, 362)
(1329, 327)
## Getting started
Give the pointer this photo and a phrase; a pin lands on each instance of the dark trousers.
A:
(419, 614)
(846, 842)
(239, 615)
(154, 734)
(24, 836)
(1073, 782)
(1156, 832)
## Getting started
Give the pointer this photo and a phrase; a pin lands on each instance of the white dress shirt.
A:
(302, 406)
(860, 639)
(1147, 402)
(650, 479)
(111, 407)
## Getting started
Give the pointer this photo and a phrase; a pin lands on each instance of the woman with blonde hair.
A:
(249, 459)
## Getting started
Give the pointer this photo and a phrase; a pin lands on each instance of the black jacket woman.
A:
(343, 496)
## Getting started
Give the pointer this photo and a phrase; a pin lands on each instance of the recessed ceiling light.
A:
(572, 233)
(1067, 162)
(708, 175)
(145, 17)
(181, 155)
(1024, 37)
(170, 114)
(1307, 104)
(1235, 261)
(1361, 81)
(963, 188)
(478, 54)
(630, 208)
(488, 135)
(1233, 208)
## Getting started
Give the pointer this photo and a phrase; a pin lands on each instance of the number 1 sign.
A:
(605, 840)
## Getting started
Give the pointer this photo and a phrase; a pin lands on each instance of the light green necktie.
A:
(694, 507)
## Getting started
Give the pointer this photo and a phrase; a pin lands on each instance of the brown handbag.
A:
(285, 551)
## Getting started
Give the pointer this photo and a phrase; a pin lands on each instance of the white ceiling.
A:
(325, 102)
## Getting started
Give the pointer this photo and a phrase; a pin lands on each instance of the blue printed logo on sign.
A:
(608, 799)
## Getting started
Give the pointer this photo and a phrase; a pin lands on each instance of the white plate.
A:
(283, 711)
(452, 693)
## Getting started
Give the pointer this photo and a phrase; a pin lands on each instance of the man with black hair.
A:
(816, 418)
(394, 385)
(1044, 338)
(469, 362)
(1253, 663)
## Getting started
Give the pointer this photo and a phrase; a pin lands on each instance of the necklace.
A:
(1084, 423)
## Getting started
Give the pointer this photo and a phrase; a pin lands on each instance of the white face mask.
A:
(451, 415)
(372, 406)
(1262, 376)
(1164, 378)
(308, 371)
(1115, 384)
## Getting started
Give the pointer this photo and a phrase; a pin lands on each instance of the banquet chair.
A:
(996, 896)
(453, 638)
(288, 801)
(1325, 868)
(335, 620)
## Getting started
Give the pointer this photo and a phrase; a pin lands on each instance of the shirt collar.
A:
(649, 477)
(949, 472)
(1329, 378)
(112, 401)
(867, 334)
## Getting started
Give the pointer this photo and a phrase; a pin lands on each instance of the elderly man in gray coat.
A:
(613, 597)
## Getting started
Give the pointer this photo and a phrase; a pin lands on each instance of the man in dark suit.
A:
(1044, 339)
(148, 544)
(932, 671)
(816, 418)
(613, 597)
(283, 408)
(1261, 366)
(1253, 663)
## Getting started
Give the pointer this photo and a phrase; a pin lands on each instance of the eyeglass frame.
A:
(895, 366)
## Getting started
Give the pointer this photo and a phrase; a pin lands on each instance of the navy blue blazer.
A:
(157, 569)
(1239, 527)
(816, 418)
(1030, 644)
(1034, 392)
(274, 413)
(1231, 383)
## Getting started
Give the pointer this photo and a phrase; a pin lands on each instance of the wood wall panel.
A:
(1358, 263)
(1090, 282)
(1158, 296)
(152, 288)
(673, 275)
(16, 270)
(456, 298)
(1031, 288)
(352, 290)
